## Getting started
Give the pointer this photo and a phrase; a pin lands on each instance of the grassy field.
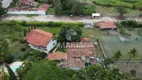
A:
(113, 43)
(112, 11)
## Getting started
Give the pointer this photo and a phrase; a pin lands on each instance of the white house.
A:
(40, 40)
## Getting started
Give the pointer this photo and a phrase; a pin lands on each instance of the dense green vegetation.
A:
(131, 24)
(38, 24)
(45, 70)
(126, 3)
(69, 34)
(48, 70)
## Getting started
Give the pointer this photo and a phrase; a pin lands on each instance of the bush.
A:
(1, 60)
(133, 72)
(23, 49)
(89, 10)
(131, 24)
(9, 59)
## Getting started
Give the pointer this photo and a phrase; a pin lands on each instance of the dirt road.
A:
(46, 18)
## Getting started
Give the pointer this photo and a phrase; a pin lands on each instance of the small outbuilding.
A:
(106, 25)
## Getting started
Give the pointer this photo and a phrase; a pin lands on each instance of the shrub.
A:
(133, 72)
(1, 60)
(9, 58)
(131, 24)
(23, 49)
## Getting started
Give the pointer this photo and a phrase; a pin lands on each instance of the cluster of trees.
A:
(118, 54)
(3, 49)
(68, 7)
(69, 34)
(48, 70)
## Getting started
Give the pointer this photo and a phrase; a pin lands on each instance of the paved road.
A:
(46, 18)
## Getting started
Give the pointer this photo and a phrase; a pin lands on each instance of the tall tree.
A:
(69, 34)
(132, 54)
(77, 8)
(121, 10)
(2, 10)
(117, 55)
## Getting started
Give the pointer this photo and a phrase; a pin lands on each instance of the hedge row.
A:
(131, 24)
(40, 24)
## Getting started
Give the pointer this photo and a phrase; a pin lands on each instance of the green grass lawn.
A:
(112, 11)
(112, 43)
(16, 47)
(54, 30)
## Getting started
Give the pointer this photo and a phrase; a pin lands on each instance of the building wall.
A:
(47, 49)
(27, 12)
(50, 45)
(6, 3)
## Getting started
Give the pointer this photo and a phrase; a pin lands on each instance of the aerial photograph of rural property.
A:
(70, 39)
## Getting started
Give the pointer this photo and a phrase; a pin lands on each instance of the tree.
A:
(23, 69)
(77, 8)
(108, 61)
(3, 75)
(3, 49)
(11, 73)
(139, 5)
(45, 70)
(121, 10)
(69, 34)
(2, 10)
(117, 55)
(132, 54)
(58, 7)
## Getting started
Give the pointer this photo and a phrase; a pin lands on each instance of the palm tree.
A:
(117, 55)
(132, 54)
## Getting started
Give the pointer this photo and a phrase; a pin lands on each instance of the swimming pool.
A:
(15, 65)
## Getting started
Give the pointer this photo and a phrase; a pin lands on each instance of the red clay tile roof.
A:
(38, 37)
(57, 56)
(76, 52)
(25, 1)
(85, 39)
(105, 25)
(43, 7)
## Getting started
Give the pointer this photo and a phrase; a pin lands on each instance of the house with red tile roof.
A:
(106, 25)
(57, 56)
(40, 40)
(85, 39)
(43, 7)
(78, 54)
(27, 3)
